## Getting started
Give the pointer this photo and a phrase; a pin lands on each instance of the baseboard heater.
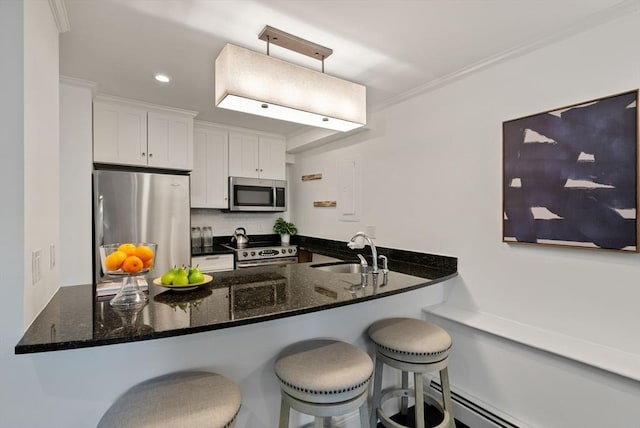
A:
(472, 414)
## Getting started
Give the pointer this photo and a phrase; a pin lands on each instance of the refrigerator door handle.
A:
(100, 222)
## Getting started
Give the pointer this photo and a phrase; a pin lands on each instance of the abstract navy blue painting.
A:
(570, 175)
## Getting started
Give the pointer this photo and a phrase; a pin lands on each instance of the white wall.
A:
(76, 155)
(224, 224)
(41, 154)
(432, 183)
(12, 209)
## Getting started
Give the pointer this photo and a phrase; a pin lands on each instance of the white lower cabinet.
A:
(213, 263)
(210, 174)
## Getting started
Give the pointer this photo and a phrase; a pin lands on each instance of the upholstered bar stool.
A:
(323, 378)
(412, 346)
(184, 399)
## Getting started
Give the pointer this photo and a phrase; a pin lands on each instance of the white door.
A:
(243, 155)
(170, 141)
(272, 157)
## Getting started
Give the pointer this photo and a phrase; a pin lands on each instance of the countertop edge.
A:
(79, 344)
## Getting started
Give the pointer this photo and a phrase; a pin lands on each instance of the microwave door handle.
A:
(274, 191)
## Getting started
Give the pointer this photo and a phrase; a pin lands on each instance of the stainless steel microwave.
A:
(257, 194)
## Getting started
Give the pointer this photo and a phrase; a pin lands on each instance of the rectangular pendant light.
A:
(259, 84)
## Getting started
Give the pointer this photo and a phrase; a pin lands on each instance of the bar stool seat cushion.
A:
(323, 371)
(184, 399)
(410, 340)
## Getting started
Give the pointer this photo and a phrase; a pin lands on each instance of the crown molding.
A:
(59, 11)
(610, 14)
(79, 82)
(138, 103)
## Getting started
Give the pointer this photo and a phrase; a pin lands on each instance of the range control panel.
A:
(266, 253)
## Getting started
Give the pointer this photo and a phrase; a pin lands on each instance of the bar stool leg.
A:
(446, 393)
(377, 387)
(419, 394)
(284, 413)
(319, 422)
(364, 415)
(404, 406)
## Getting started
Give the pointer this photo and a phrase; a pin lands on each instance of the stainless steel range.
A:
(263, 254)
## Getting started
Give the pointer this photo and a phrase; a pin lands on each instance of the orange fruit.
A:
(132, 264)
(114, 260)
(145, 253)
(147, 263)
(127, 248)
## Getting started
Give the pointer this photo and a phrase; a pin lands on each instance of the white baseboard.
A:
(473, 412)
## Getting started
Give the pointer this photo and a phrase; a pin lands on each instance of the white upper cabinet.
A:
(243, 155)
(209, 177)
(272, 158)
(169, 140)
(252, 155)
(119, 134)
(130, 133)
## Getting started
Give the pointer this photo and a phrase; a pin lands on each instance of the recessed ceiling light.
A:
(163, 78)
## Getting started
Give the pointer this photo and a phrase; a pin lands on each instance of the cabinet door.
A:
(217, 169)
(209, 178)
(272, 158)
(243, 155)
(199, 171)
(170, 141)
(119, 134)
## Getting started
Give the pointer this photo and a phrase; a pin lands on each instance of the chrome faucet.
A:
(385, 269)
(358, 241)
(364, 270)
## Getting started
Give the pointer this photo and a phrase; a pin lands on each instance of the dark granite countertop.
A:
(210, 251)
(74, 318)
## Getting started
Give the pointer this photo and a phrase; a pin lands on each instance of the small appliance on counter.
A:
(196, 240)
(207, 238)
(201, 240)
(240, 238)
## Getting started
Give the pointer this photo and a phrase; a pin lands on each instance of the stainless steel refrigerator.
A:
(142, 207)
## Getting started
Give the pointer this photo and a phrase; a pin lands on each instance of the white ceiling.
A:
(396, 48)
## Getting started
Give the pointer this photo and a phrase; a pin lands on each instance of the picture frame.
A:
(570, 175)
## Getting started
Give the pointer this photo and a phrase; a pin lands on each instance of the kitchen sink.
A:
(339, 267)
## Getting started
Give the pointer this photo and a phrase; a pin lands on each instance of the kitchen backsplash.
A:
(224, 224)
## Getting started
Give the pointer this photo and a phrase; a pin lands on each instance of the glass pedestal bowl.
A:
(128, 261)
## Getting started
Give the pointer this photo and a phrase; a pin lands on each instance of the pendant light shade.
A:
(259, 84)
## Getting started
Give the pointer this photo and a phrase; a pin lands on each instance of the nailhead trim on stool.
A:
(410, 345)
(317, 374)
(410, 339)
(184, 399)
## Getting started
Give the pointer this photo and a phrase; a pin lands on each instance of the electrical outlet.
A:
(36, 271)
(371, 231)
(52, 256)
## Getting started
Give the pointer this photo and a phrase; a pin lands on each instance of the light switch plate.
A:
(52, 256)
(36, 271)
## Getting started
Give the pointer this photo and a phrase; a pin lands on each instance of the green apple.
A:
(168, 278)
(181, 280)
(196, 277)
